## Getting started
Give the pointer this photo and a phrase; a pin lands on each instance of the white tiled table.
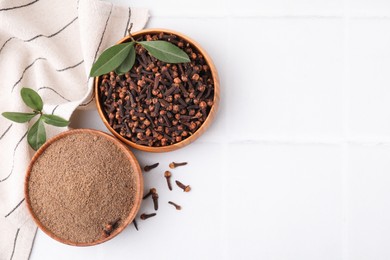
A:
(297, 163)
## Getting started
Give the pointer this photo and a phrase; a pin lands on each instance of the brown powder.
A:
(80, 183)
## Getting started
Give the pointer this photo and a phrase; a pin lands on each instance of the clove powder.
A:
(80, 183)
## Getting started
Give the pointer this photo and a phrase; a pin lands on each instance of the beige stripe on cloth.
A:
(47, 45)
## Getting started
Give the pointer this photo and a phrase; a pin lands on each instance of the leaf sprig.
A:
(36, 136)
(121, 58)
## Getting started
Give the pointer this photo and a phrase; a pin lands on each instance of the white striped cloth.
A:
(47, 45)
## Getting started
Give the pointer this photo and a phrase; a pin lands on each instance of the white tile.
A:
(369, 52)
(176, 8)
(285, 78)
(284, 202)
(290, 7)
(87, 119)
(369, 204)
(201, 8)
(369, 7)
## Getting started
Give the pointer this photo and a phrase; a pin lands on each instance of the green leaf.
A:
(128, 63)
(37, 135)
(19, 117)
(55, 120)
(165, 51)
(110, 59)
(31, 98)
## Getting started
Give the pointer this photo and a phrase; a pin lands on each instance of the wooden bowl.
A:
(205, 124)
(138, 184)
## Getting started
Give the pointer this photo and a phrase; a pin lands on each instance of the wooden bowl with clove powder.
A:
(83, 187)
(158, 106)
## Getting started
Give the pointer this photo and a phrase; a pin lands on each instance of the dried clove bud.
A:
(185, 188)
(146, 216)
(168, 175)
(135, 224)
(109, 228)
(151, 191)
(155, 200)
(178, 207)
(173, 165)
(149, 167)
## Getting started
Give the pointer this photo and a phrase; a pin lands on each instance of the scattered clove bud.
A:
(146, 216)
(109, 228)
(185, 188)
(168, 175)
(155, 200)
(178, 207)
(151, 191)
(150, 167)
(135, 224)
(173, 165)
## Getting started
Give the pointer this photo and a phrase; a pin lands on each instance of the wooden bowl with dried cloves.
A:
(163, 95)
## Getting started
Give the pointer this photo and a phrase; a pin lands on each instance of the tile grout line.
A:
(224, 194)
(224, 233)
(345, 202)
(303, 141)
(223, 198)
(274, 15)
(344, 147)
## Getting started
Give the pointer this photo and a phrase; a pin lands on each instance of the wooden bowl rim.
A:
(137, 173)
(206, 124)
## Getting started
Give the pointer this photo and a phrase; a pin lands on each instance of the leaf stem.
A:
(129, 32)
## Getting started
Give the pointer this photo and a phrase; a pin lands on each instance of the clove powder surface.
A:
(80, 183)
